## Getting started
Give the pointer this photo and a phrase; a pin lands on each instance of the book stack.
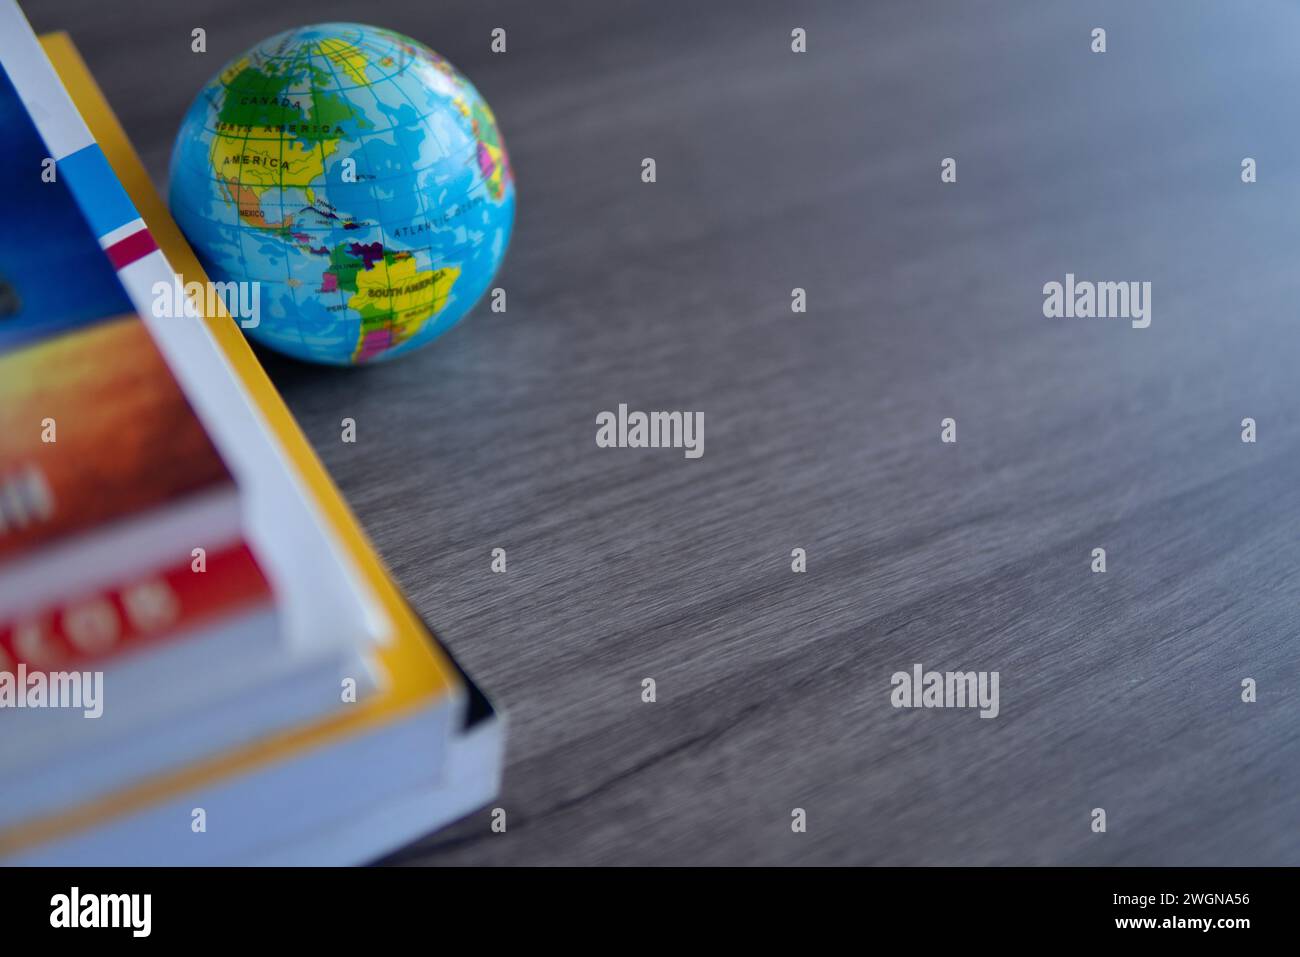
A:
(202, 661)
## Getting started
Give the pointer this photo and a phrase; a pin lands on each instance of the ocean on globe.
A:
(358, 178)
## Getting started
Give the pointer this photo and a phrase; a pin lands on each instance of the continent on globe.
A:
(351, 268)
(394, 297)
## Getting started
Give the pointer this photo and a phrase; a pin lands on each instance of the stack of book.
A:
(202, 661)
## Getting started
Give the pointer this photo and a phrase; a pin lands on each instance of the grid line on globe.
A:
(358, 269)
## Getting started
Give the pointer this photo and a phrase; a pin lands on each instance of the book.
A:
(323, 777)
(97, 435)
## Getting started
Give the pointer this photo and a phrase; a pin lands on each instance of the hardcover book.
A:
(165, 529)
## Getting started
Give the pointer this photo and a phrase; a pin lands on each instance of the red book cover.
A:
(127, 617)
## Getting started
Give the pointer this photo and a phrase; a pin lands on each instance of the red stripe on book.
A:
(136, 246)
(136, 614)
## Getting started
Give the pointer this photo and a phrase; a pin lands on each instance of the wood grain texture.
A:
(822, 430)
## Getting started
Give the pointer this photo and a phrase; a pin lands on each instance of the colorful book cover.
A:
(420, 674)
(54, 275)
(96, 428)
(129, 616)
(95, 425)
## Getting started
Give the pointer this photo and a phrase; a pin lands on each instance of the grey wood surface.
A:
(821, 170)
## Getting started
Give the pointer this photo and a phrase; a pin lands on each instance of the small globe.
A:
(358, 178)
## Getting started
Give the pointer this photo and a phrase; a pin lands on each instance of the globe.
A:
(357, 178)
